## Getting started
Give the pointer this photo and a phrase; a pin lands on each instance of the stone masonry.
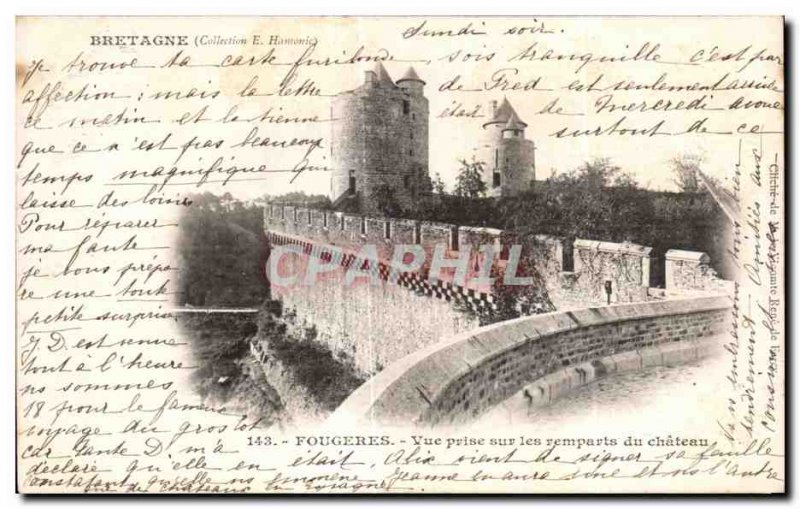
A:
(692, 271)
(380, 138)
(375, 326)
(458, 379)
(508, 156)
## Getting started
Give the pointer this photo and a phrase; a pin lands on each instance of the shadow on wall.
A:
(456, 380)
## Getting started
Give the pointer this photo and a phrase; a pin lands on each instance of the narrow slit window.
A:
(351, 182)
(454, 238)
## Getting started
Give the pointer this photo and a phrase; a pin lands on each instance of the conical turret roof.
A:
(514, 123)
(382, 75)
(504, 113)
(410, 75)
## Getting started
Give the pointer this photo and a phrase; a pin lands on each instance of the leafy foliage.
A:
(599, 201)
(318, 201)
(685, 168)
(469, 182)
(219, 341)
(513, 301)
(438, 184)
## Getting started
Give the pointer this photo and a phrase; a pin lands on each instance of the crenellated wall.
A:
(625, 266)
(362, 323)
(691, 271)
(375, 326)
(350, 232)
(459, 378)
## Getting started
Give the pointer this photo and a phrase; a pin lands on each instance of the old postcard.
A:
(400, 255)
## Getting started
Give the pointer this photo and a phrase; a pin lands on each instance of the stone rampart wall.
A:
(458, 379)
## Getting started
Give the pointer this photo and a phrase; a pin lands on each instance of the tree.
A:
(438, 184)
(685, 169)
(600, 173)
(514, 300)
(469, 182)
(318, 201)
(597, 200)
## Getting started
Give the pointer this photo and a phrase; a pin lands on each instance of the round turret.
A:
(411, 82)
(514, 127)
(380, 138)
(508, 156)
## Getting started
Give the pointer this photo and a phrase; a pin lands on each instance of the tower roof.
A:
(503, 114)
(411, 75)
(514, 123)
(382, 75)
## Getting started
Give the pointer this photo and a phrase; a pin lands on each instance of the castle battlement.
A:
(351, 231)
(627, 266)
(358, 321)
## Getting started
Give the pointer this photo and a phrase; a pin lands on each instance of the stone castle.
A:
(419, 339)
(380, 144)
(380, 138)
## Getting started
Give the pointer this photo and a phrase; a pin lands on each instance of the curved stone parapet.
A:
(459, 378)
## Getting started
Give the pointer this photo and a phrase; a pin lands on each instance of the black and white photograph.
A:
(400, 255)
